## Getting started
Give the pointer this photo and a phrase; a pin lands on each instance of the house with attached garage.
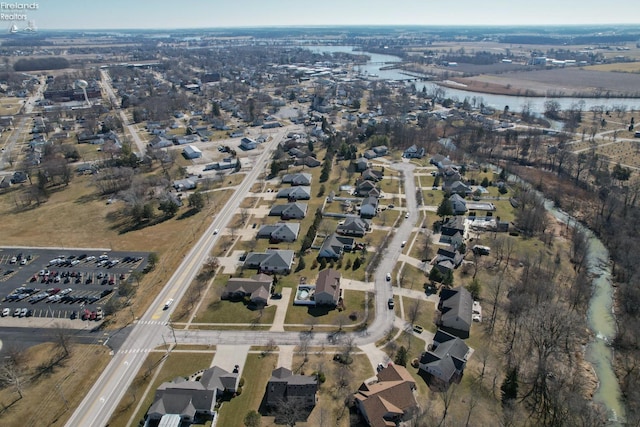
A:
(354, 226)
(192, 400)
(362, 164)
(446, 360)
(280, 232)
(414, 152)
(372, 175)
(293, 210)
(270, 261)
(453, 231)
(388, 401)
(334, 246)
(455, 311)
(366, 188)
(327, 287)
(295, 193)
(184, 184)
(257, 288)
(297, 179)
(458, 204)
(369, 207)
(286, 387)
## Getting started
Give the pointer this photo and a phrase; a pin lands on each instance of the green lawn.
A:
(256, 373)
(413, 278)
(223, 311)
(353, 303)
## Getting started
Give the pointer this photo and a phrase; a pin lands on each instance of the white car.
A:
(388, 277)
(168, 304)
(216, 231)
(403, 244)
(406, 215)
(6, 311)
(90, 258)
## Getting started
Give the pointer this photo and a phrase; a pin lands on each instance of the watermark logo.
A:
(10, 11)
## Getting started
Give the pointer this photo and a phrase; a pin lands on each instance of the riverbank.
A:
(571, 83)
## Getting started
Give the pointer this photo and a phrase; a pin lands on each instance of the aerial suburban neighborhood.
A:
(344, 226)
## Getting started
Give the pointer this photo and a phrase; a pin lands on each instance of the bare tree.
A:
(12, 372)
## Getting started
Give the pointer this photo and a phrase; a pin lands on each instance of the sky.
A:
(165, 14)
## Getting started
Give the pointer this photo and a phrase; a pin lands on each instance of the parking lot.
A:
(59, 283)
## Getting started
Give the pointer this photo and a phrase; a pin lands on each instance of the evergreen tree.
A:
(509, 387)
(401, 356)
(445, 209)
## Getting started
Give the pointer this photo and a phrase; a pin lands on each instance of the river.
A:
(600, 319)
(515, 103)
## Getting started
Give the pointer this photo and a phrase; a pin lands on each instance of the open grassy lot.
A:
(425, 310)
(256, 372)
(622, 67)
(354, 303)
(412, 278)
(175, 365)
(223, 311)
(10, 106)
(42, 403)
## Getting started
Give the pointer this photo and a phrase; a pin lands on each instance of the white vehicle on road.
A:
(168, 304)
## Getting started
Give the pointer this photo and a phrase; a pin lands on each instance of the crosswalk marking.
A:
(135, 351)
(151, 322)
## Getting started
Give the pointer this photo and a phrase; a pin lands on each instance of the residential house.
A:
(248, 144)
(367, 188)
(191, 152)
(280, 232)
(270, 261)
(192, 400)
(285, 387)
(327, 287)
(369, 207)
(257, 288)
(353, 226)
(447, 259)
(237, 133)
(414, 152)
(456, 307)
(372, 175)
(381, 150)
(457, 187)
(440, 161)
(388, 401)
(295, 193)
(446, 361)
(458, 204)
(453, 231)
(370, 154)
(227, 163)
(297, 179)
(186, 139)
(309, 161)
(334, 246)
(289, 211)
(362, 164)
(159, 141)
(184, 184)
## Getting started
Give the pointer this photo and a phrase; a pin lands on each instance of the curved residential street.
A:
(153, 328)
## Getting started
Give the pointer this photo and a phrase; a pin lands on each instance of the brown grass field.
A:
(46, 389)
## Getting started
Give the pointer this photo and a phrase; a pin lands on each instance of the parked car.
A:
(6, 311)
(74, 315)
(418, 329)
(23, 312)
(276, 296)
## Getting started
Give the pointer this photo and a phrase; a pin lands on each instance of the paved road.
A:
(154, 329)
(106, 83)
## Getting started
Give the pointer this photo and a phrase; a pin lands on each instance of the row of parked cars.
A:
(46, 276)
(53, 295)
(85, 314)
